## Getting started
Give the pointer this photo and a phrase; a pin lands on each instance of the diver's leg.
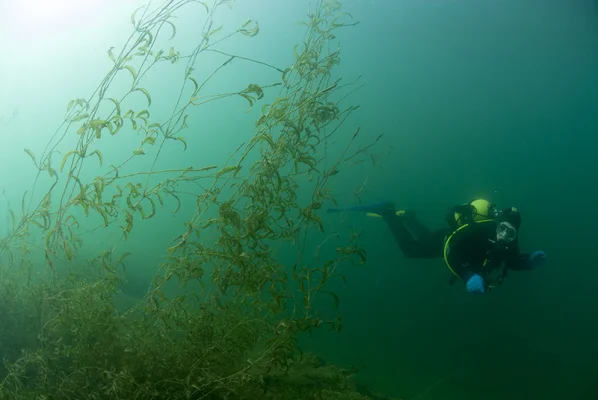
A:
(417, 229)
(410, 247)
(413, 238)
(433, 244)
(369, 208)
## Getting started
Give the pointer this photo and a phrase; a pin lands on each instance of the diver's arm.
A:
(518, 261)
(466, 212)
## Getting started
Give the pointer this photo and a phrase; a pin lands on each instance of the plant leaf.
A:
(182, 139)
(205, 5)
(227, 170)
(192, 79)
(111, 55)
(79, 117)
(335, 296)
(99, 154)
(173, 29)
(66, 156)
(143, 114)
(146, 93)
(133, 16)
(32, 156)
(116, 105)
(132, 71)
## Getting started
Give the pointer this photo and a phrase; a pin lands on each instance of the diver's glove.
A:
(475, 284)
(536, 259)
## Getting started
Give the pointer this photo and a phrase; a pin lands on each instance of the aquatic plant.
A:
(231, 331)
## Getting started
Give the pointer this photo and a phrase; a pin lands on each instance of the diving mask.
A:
(506, 232)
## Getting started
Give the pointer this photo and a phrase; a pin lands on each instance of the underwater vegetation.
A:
(232, 330)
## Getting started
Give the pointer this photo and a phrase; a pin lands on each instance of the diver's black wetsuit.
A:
(413, 238)
(473, 249)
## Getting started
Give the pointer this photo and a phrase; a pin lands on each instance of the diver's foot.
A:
(407, 214)
(381, 208)
(384, 209)
(391, 212)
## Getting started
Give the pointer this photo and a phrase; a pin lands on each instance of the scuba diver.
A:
(480, 245)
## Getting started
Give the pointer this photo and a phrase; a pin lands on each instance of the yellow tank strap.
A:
(448, 240)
